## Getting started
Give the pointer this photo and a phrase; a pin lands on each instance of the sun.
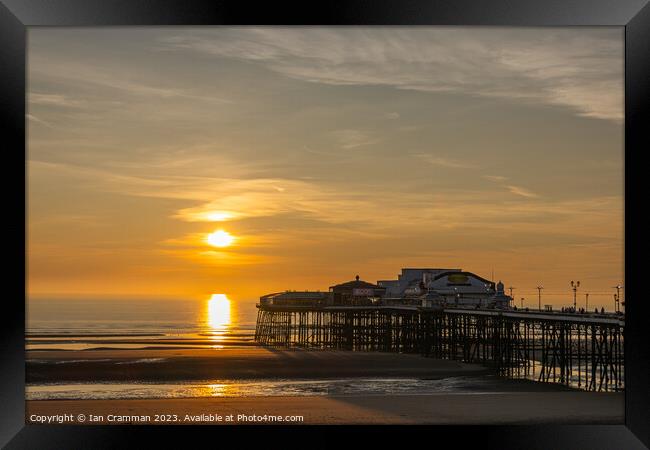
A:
(220, 238)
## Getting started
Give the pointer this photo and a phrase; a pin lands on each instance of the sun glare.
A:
(218, 311)
(220, 238)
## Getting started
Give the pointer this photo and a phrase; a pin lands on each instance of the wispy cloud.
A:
(222, 197)
(578, 69)
(117, 78)
(305, 207)
(495, 178)
(444, 162)
(517, 190)
(35, 119)
(53, 100)
(349, 139)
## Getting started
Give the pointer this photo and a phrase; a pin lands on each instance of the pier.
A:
(578, 350)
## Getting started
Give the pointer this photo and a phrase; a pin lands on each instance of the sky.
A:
(325, 152)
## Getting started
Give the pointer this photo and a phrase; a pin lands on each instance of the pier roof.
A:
(354, 284)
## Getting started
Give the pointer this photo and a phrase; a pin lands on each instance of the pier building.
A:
(446, 287)
(427, 287)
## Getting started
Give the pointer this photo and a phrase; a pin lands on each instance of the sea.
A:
(79, 324)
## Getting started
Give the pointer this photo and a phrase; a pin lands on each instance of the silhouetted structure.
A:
(356, 292)
(576, 350)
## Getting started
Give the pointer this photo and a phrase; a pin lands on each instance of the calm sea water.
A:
(266, 388)
(80, 324)
(131, 317)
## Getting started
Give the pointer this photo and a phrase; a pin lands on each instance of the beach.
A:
(233, 363)
(467, 394)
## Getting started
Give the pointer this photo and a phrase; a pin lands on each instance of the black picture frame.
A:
(17, 15)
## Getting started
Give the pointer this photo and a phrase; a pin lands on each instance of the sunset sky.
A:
(322, 153)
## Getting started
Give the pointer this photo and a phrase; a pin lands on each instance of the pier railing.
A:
(576, 350)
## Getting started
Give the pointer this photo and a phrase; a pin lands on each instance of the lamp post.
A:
(539, 297)
(618, 288)
(574, 286)
(522, 303)
(587, 301)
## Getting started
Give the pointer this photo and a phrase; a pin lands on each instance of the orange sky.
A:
(326, 153)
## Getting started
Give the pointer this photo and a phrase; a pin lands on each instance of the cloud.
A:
(443, 162)
(349, 139)
(522, 192)
(52, 100)
(35, 119)
(517, 190)
(312, 206)
(495, 178)
(118, 78)
(242, 196)
(314, 217)
(581, 69)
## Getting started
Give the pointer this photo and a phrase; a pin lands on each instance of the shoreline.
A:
(245, 363)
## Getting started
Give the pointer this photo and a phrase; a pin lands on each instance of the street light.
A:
(575, 286)
(587, 302)
(522, 302)
(539, 297)
(618, 288)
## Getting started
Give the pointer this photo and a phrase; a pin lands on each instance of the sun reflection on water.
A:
(219, 312)
(216, 390)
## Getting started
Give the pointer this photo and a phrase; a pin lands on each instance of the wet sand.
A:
(492, 408)
(499, 401)
(233, 363)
